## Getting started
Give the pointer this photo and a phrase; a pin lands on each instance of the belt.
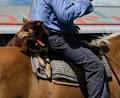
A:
(52, 33)
(55, 32)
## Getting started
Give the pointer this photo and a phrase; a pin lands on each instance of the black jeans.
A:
(72, 49)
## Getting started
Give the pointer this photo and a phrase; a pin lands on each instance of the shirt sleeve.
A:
(67, 12)
(39, 11)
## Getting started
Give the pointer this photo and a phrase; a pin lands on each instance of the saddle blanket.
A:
(62, 70)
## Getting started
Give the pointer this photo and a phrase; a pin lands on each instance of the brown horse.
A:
(18, 81)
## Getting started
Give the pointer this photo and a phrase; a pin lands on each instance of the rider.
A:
(58, 16)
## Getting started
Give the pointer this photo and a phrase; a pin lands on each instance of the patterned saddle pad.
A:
(62, 70)
(65, 71)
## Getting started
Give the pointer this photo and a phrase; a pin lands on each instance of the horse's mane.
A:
(112, 36)
(107, 39)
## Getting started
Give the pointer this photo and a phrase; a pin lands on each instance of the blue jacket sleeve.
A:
(39, 11)
(68, 12)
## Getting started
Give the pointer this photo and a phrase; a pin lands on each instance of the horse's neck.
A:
(114, 43)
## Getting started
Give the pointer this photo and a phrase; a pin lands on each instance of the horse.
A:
(18, 81)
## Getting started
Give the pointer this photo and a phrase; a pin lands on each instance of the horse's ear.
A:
(25, 20)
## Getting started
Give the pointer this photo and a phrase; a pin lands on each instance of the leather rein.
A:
(114, 61)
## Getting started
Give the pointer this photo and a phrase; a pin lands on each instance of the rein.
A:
(113, 60)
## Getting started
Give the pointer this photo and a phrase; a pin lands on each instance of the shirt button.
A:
(56, 40)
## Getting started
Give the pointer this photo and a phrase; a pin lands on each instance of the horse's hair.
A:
(106, 39)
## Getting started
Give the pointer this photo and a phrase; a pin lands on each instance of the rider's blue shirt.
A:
(59, 14)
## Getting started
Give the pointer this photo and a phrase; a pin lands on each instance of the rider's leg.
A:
(93, 67)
